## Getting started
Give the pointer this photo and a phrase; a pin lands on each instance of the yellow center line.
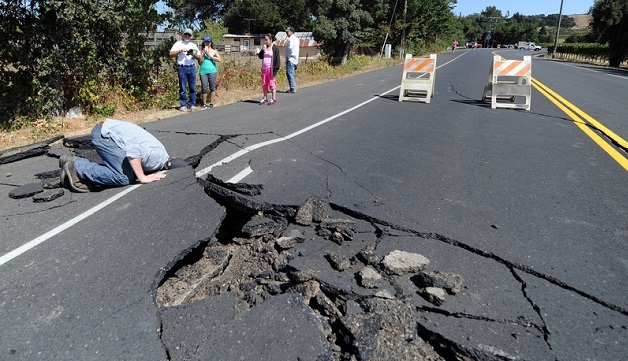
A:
(581, 118)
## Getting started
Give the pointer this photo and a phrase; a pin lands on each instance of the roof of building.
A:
(306, 39)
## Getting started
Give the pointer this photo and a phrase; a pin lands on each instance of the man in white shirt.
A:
(187, 55)
(292, 58)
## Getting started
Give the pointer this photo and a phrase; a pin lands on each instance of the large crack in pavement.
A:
(327, 254)
(331, 270)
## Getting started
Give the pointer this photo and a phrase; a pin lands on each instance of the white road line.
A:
(250, 148)
(46, 236)
(240, 176)
(595, 70)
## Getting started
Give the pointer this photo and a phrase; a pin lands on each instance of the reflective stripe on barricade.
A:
(507, 80)
(417, 82)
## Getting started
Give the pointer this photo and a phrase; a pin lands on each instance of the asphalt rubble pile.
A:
(322, 262)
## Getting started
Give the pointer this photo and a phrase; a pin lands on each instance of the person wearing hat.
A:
(129, 153)
(187, 55)
(292, 58)
(209, 71)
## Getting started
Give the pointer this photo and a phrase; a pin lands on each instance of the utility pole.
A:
(249, 20)
(402, 53)
(493, 21)
(560, 17)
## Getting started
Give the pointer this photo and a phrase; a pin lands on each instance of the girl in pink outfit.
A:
(270, 66)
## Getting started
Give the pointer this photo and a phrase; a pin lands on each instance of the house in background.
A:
(237, 43)
(308, 47)
(248, 42)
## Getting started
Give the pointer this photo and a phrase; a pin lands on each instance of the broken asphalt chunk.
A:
(242, 188)
(27, 151)
(361, 331)
(339, 263)
(449, 281)
(47, 196)
(313, 210)
(368, 277)
(27, 190)
(434, 295)
(259, 226)
(400, 262)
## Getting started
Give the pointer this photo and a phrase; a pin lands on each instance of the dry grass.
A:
(582, 20)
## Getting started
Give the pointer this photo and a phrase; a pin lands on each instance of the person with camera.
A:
(187, 55)
(209, 71)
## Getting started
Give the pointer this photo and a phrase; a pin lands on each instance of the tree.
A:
(189, 13)
(59, 53)
(253, 17)
(237, 16)
(609, 21)
(215, 29)
(430, 19)
(340, 24)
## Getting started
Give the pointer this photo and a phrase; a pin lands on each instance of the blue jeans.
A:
(187, 77)
(117, 170)
(290, 67)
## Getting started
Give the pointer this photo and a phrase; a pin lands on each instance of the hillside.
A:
(582, 20)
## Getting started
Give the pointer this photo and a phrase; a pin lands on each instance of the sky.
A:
(524, 7)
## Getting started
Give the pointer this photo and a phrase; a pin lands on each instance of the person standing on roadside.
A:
(187, 55)
(271, 62)
(209, 71)
(292, 59)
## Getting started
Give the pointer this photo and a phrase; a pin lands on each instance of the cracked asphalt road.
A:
(521, 205)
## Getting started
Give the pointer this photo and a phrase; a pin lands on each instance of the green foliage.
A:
(581, 36)
(503, 30)
(60, 54)
(357, 62)
(591, 50)
(264, 17)
(215, 28)
(341, 25)
(610, 23)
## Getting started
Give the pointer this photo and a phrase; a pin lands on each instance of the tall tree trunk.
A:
(345, 53)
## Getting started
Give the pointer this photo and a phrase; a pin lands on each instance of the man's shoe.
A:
(183, 109)
(204, 107)
(64, 159)
(192, 108)
(72, 180)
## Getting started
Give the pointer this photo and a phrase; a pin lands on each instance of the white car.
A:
(534, 47)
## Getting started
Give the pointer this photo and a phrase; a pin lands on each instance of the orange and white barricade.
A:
(508, 82)
(417, 82)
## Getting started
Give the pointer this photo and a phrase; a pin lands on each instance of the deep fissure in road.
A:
(370, 306)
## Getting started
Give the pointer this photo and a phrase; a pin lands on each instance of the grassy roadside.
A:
(239, 80)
